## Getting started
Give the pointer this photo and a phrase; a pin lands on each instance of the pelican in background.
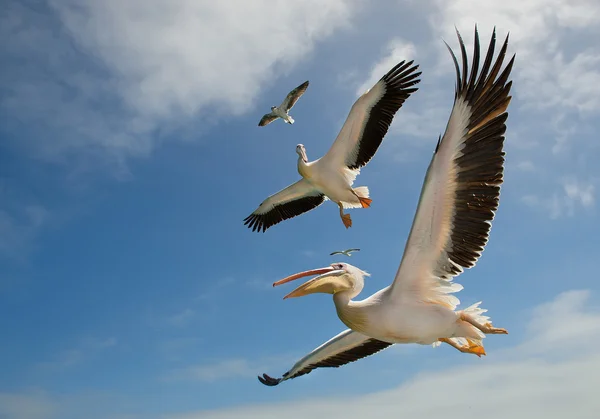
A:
(346, 252)
(283, 109)
(451, 227)
(332, 176)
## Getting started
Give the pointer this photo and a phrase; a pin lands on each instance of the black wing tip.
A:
(255, 222)
(268, 380)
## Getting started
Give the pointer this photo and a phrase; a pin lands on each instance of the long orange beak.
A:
(319, 271)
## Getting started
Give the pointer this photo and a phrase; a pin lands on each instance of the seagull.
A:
(332, 176)
(458, 201)
(283, 109)
(345, 252)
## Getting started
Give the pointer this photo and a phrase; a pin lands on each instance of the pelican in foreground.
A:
(282, 111)
(347, 252)
(332, 176)
(451, 227)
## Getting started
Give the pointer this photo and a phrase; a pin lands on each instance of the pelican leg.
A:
(364, 202)
(487, 328)
(471, 348)
(345, 217)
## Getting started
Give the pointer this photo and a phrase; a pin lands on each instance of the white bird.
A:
(451, 227)
(283, 109)
(332, 176)
(346, 252)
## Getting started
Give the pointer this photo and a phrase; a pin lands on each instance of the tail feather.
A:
(361, 192)
(468, 331)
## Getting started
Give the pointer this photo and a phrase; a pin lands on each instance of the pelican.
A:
(346, 252)
(332, 176)
(283, 109)
(458, 201)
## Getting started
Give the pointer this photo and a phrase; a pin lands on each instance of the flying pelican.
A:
(451, 227)
(344, 252)
(283, 109)
(332, 176)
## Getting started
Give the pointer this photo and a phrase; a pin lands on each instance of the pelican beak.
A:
(303, 274)
(328, 281)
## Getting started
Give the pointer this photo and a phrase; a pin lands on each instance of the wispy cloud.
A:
(163, 67)
(182, 318)
(18, 228)
(573, 195)
(85, 349)
(528, 380)
(27, 405)
(396, 50)
(226, 369)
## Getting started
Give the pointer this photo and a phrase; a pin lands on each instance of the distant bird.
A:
(459, 198)
(332, 176)
(283, 109)
(344, 252)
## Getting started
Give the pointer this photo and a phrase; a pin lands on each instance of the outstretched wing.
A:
(371, 116)
(348, 346)
(461, 190)
(267, 119)
(293, 96)
(290, 202)
(335, 253)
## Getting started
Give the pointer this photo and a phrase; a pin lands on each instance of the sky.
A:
(130, 154)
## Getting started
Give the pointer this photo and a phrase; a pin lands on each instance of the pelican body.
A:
(459, 197)
(332, 176)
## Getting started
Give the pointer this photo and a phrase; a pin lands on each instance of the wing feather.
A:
(296, 199)
(461, 190)
(371, 115)
(267, 119)
(348, 346)
(293, 96)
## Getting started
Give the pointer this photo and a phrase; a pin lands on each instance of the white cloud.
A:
(83, 350)
(111, 78)
(526, 166)
(396, 50)
(552, 374)
(540, 31)
(19, 227)
(182, 318)
(28, 405)
(572, 196)
(225, 369)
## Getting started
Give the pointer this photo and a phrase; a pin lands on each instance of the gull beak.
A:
(328, 281)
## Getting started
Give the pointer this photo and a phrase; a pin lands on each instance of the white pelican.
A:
(332, 176)
(451, 227)
(283, 109)
(346, 252)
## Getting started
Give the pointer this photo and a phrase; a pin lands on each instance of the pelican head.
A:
(301, 151)
(332, 279)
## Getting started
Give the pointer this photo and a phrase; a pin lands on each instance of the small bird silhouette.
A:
(344, 252)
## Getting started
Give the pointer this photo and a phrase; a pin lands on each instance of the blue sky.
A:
(129, 156)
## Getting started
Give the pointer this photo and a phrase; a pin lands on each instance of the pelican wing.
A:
(371, 116)
(294, 200)
(461, 190)
(293, 96)
(348, 346)
(267, 119)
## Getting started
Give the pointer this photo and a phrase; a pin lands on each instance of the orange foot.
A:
(365, 202)
(474, 349)
(489, 329)
(347, 220)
